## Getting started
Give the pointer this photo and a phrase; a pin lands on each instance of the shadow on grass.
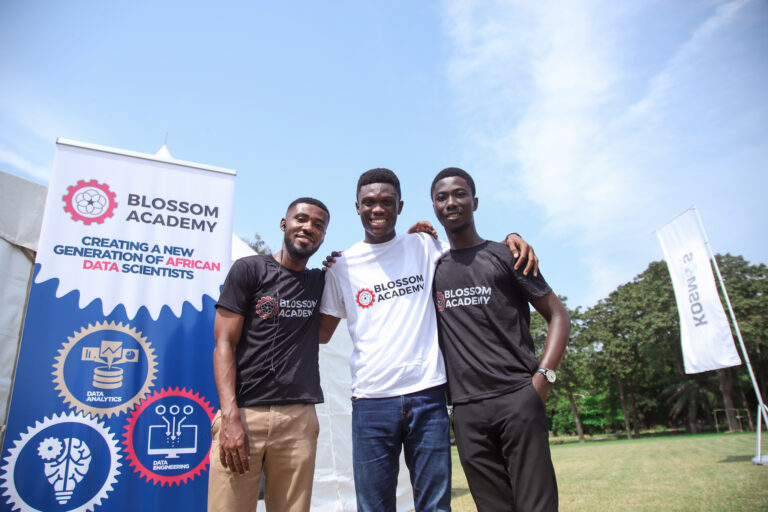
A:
(736, 458)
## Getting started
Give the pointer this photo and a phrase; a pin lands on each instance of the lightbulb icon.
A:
(66, 464)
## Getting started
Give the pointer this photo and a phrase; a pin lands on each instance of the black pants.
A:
(504, 450)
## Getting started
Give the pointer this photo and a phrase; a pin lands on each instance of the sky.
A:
(586, 124)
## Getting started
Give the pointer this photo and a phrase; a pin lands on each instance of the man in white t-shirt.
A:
(382, 286)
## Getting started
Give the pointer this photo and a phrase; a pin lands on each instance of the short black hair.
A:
(379, 175)
(309, 200)
(449, 172)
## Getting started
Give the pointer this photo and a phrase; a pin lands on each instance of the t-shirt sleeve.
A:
(436, 247)
(531, 287)
(238, 285)
(332, 302)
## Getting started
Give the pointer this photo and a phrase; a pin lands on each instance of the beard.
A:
(298, 253)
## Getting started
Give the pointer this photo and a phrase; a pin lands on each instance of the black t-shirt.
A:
(483, 319)
(276, 356)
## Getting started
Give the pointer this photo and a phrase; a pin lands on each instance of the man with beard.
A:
(266, 367)
(497, 384)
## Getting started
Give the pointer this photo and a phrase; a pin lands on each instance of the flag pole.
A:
(762, 409)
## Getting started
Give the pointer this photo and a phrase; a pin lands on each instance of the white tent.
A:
(21, 213)
(21, 210)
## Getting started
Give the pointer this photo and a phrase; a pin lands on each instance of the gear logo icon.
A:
(105, 369)
(66, 462)
(266, 307)
(89, 201)
(440, 301)
(167, 437)
(365, 298)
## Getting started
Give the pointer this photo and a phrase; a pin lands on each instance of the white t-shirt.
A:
(385, 293)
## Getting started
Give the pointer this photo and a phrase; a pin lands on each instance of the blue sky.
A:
(586, 124)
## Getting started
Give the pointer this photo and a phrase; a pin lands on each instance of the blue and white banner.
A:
(704, 329)
(114, 393)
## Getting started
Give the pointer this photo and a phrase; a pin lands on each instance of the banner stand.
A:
(762, 409)
(113, 398)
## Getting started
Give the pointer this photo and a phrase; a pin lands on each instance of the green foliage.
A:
(623, 367)
(257, 244)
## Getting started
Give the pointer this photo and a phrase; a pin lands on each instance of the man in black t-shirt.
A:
(266, 366)
(497, 386)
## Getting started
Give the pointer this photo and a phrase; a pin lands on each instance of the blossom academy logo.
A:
(266, 307)
(440, 300)
(89, 201)
(365, 298)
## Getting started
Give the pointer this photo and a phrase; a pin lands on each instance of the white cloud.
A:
(546, 89)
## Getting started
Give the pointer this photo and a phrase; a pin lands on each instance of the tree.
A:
(574, 375)
(257, 244)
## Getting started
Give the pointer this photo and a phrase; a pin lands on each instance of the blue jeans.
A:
(419, 423)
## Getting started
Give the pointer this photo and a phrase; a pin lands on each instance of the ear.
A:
(474, 209)
(282, 224)
(400, 208)
(357, 207)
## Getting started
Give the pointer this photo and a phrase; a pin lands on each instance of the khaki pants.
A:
(283, 441)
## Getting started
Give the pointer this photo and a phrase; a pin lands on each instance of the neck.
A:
(285, 259)
(464, 237)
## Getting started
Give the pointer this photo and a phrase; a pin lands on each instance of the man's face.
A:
(453, 203)
(378, 206)
(305, 226)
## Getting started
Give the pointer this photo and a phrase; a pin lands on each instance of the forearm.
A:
(557, 339)
(559, 322)
(224, 371)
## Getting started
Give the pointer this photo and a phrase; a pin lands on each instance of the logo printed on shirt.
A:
(266, 307)
(389, 290)
(440, 301)
(467, 296)
(365, 298)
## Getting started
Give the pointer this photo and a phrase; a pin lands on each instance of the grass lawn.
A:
(706, 472)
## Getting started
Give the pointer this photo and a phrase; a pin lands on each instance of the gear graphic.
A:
(440, 301)
(365, 298)
(130, 427)
(69, 398)
(7, 483)
(49, 448)
(266, 307)
(89, 201)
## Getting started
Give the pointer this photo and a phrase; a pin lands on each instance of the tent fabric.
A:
(334, 488)
(21, 210)
(21, 214)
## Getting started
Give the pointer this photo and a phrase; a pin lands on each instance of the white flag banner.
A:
(704, 330)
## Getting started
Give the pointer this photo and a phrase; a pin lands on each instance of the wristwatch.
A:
(549, 374)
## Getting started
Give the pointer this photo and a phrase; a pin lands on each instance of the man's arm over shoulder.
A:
(233, 440)
(559, 321)
(328, 326)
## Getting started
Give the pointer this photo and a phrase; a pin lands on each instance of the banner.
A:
(114, 392)
(704, 330)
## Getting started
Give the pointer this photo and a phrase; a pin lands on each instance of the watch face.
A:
(548, 374)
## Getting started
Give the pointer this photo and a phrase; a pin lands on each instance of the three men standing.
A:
(266, 368)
